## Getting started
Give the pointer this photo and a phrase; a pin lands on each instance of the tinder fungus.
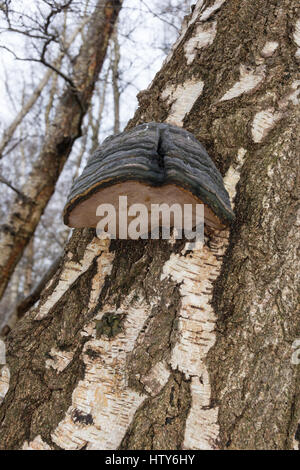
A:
(153, 163)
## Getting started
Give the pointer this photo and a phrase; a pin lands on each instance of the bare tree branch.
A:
(13, 188)
(8, 133)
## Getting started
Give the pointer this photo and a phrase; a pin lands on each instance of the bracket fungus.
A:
(153, 163)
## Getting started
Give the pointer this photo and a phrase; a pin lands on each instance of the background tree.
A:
(200, 355)
(143, 43)
(61, 133)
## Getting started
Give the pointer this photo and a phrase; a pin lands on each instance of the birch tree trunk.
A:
(62, 132)
(142, 345)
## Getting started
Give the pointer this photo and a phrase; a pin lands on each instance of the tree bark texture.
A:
(144, 345)
(65, 128)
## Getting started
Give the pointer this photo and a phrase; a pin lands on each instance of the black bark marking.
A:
(82, 418)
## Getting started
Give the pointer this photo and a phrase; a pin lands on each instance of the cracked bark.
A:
(201, 354)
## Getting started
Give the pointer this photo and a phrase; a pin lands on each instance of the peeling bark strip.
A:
(250, 78)
(36, 444)
(62, 133)
(296, 38)
(148, 318)
(182, 99)
(4, 372)
(233, 174)
(204, 37)
(263, 122)
(196, 273)
(70, 273)
(4, 382)
(269, 48)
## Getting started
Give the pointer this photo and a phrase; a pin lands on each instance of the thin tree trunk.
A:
(115, 79)
(200, 352)
(63, 131)
(95, 123)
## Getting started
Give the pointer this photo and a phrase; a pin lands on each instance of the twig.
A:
(159, 17)
(19, 193)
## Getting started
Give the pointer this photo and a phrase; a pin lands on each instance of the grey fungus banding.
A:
(153, 163)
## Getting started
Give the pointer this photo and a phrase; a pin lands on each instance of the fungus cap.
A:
(153, 163)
